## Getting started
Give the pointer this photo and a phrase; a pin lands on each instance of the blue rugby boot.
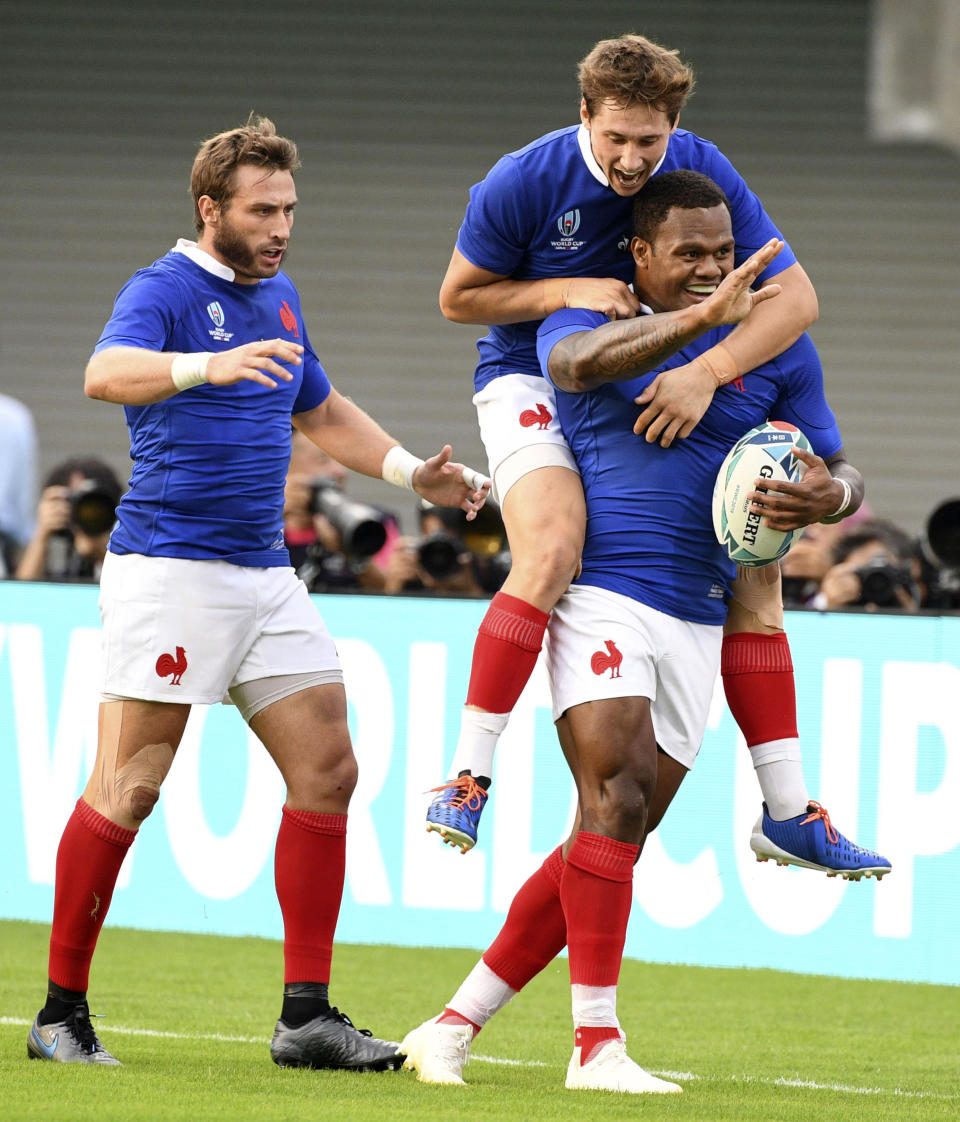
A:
(811, 841)
(455, 811)
(70, 1041)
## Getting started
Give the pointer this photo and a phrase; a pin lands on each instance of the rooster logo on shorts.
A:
(167, 664)
(610, 659)
(541, 417)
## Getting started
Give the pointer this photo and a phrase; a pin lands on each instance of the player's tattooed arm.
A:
(615, 352)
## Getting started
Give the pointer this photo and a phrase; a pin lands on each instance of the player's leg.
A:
(538, 487)
(617, 763)
(135, 748)
(758, 680)
(306, 734)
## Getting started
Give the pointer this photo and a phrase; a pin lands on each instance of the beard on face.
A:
(233, 248)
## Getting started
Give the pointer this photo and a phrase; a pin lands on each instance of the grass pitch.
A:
(190, 1016)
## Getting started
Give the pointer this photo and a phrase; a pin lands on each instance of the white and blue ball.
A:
(763, 453)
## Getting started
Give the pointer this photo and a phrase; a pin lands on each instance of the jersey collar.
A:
(203, 259)
(583, 139)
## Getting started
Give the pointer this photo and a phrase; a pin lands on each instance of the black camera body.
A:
(879, 580)
(362, 528)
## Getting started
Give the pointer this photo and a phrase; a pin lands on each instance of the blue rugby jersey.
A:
(649, 515)
(547, 210)
(209, 463)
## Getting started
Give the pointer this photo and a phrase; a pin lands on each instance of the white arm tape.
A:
(190, 369)
(399, 466)
(475, 480)
(845, 501)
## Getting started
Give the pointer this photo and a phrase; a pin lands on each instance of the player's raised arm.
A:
(617, 351)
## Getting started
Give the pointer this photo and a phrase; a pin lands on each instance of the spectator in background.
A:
(335, 544)
(451, 556)
(18, 480)
(875, 565)
(74, 518)
(811, 556)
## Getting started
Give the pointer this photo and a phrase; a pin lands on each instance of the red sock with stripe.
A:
(504, 655)
(89, 857)
(757, 673)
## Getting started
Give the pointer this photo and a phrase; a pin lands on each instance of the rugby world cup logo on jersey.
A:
(216, 313)
(568, 223)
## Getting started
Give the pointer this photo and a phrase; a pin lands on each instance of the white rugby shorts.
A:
(604, 645)
(520, 430)
(185, 631)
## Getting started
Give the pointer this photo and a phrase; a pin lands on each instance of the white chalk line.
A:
(682, 1076)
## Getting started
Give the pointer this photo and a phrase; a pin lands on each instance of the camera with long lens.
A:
(362, 528)
(880, 579)
(93, 508)
(439, 554)
(940, 550)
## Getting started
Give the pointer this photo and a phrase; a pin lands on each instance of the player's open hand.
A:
(443, 482)
(793, 505)
(602, 294)
(733, 300)
(254, 362)
(675, 401)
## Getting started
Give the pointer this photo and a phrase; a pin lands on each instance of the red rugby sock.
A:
(757, 673)
(504, 655)
(596, 892)
(309, 869)
(535, 930)
(89, 857)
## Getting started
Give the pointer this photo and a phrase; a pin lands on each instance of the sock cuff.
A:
(333, 825)
(514, 621)
(102, 827)
(603, 857)
(553, 868)
(749, 653)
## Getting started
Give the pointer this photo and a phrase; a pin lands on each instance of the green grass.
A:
(861, 1050)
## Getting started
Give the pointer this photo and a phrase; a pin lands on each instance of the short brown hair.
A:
(255, 143)
(633, 70)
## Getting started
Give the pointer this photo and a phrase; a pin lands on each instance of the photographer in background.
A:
(451, 556)
(75, 515)
(335, 544)
(875, 565)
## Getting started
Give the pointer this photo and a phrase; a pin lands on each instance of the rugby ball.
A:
(763, 453)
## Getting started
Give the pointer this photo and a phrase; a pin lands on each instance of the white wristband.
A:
(845, 502)
(190, 369)
(399, 466)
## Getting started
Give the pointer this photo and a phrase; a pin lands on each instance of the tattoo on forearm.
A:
(615, 351)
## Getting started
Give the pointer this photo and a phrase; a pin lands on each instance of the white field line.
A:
(682, 1076)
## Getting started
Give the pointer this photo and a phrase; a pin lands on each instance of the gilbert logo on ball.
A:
(764, 453)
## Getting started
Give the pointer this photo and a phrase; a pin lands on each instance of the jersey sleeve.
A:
(558, 325)
(316, 385)
(802, 401)
(497, 226)
(144, 313)
(752, 226)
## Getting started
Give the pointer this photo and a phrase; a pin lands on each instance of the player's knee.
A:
(139, 802)
(552, 568)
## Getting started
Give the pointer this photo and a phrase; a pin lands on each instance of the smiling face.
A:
(250, 231)
(690, 254)
(627, 143)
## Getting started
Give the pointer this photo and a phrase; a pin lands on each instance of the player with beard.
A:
(207, 351)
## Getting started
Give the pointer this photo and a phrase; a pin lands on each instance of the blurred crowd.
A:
(338, 544)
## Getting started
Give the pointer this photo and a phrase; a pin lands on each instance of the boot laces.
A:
(471, 794)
